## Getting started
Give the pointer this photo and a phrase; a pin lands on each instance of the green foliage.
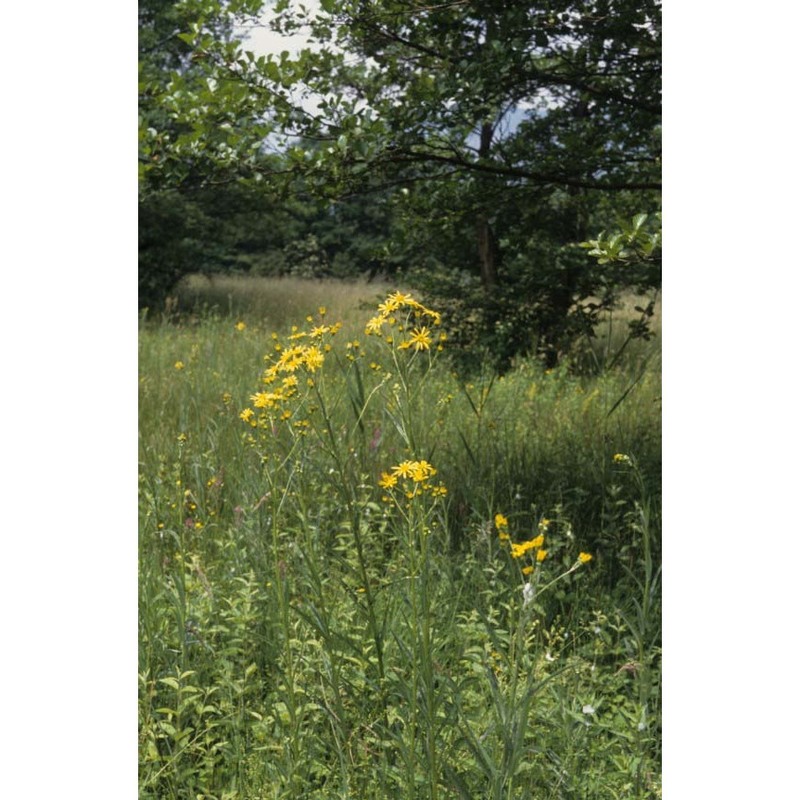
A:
(494, 135)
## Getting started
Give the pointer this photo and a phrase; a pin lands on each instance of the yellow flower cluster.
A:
(414, 324)
(518, 550)
(281, 377)
(415, 477)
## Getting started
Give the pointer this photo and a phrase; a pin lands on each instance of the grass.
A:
(330, 606)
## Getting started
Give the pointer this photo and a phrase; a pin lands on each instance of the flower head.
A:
(421, 338)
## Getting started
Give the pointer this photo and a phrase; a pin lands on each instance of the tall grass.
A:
(330, 602)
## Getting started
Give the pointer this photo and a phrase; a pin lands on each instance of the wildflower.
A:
(240, 326)
(227, 397)
(264, 399)
(322, 311)
(621, 458)
(500, 521)
(387, 481)
(544, 524)
(527, 570)
(404, 469)
(504, 536)
(421, 471)
(400, 299)
(314, 359)
(588, 709)
(182, 437)
(527, 594)
(538, 541)
(541, 555)
(179, 365)
(421, 338)
(439, 491)
(374, 326)
(584, 557)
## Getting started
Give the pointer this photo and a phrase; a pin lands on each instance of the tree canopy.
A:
(497, 136)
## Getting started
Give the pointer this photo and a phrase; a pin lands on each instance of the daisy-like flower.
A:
(422, 470)
(313, 359)
(584, 557)
(387, 481)
(240, 326)
(421, 338)
(404, 470)
(179, 365)
(500, 521)
(374, 326)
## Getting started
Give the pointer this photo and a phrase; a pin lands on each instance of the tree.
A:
(501, 130)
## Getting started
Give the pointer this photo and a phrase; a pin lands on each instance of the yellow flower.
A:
(504, 536)
(421, 338)
(322, 311)
(421, 471)
(527, 570)
(621, 458)
(400, 299)
(439, 491)
(374, 326)
(500, 521)
(584, 557)
(519, 550)
(240, 326)
(246, 414)
(314, 358)
(265, 399)
(387, 481)
(404, 470)
(179, 365)
(541, 555)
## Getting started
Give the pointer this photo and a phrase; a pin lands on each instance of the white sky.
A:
(263, 41)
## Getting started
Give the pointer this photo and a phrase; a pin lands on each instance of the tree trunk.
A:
(488, 252)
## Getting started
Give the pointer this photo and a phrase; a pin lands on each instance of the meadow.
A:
(362, 575)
